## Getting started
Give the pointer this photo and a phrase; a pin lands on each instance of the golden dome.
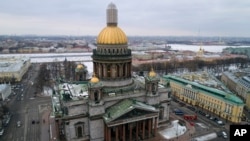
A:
(94, 79)
(152, 73)
(79, 66)
(112, 35)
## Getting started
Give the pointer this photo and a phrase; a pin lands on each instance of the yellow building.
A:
(248, 101)
(224, 105)
(13, 68)
(239, 83)
(229, 80)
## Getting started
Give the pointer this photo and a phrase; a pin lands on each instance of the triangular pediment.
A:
(127, 108)
(134, 113)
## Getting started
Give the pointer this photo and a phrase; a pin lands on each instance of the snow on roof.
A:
(12, 64)
(3, 86)
(76, 90)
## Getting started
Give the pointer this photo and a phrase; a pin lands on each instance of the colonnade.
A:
(133, 131)
(112, 70)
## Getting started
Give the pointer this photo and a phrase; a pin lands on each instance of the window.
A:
(161, 114)
(96, 96)
(79, 132)
(109, 71)
(79, 129)
(154, 88)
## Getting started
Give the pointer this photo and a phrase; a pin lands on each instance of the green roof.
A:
(208, 90)
(123, 107)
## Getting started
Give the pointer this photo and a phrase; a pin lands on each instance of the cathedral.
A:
(114, 104)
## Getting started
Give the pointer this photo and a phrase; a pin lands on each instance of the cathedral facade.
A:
(113, 105)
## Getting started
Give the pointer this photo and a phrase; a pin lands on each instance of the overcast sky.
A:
(135, 17)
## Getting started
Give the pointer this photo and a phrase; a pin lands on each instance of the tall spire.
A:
(112, 16)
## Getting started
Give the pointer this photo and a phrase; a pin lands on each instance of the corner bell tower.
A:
(112, 59)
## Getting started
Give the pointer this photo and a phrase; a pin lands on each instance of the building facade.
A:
(113, 105)
(13, 68)
(220, 103)
(239, 82)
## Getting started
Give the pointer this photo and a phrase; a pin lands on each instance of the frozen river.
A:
(53, 57)
(83, 58)
(86, 57)
(212, 48)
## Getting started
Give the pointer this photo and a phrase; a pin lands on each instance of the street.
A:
(203, 125)
(28, 109)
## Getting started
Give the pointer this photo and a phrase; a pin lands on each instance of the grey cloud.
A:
(148, 16)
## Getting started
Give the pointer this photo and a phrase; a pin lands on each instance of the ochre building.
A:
(12, 69)
(220, 103)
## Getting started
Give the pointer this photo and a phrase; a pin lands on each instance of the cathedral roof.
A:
(124, 107)
(79, 66)
(94, 79)
(152, 73)
(112, 34)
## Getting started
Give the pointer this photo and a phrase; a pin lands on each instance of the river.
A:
(212, 48)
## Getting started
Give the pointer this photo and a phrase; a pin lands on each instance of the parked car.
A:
(178, 112)
(224, 134)
(220, 122)
(6, 121)
(191, 108)
(18, 124)
(215, 119)
(212, 118)
(207, 115)
(202, 113)
(1, 131)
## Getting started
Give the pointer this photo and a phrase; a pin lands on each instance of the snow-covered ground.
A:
(47, 91)
(202, 125)
(174, 131)
(206, 137)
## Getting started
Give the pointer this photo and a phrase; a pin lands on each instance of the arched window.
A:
(154, 88)
(109, 71)
(79, 132)
(161, 114)
(124, 70)
(96, 96)
(118, 71)
(79, 129)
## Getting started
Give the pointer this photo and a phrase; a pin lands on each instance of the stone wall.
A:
(96, 127)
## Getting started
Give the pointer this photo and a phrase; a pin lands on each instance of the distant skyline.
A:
(137, 18)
